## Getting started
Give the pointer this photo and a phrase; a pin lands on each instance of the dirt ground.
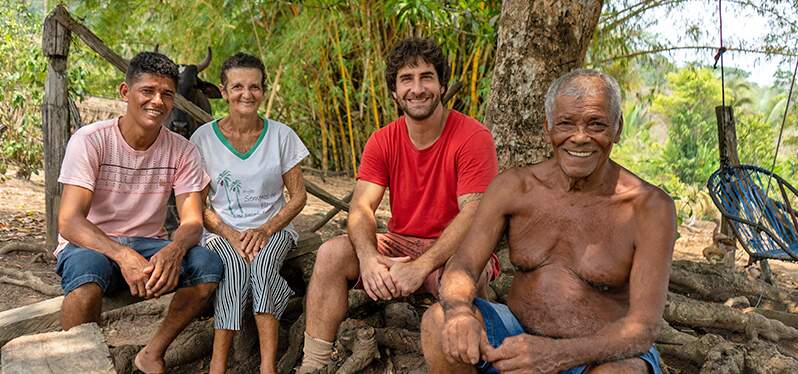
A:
(22, 218)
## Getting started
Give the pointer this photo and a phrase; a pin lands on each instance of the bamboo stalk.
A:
(474, 76)
(275, 88)
(373, 96)
(342, 134)
(323, 126)
(344, 80)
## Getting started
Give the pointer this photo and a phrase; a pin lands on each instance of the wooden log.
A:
(55, 119)
(44, 316)
(82, 349)
(325, 196)
(332, 213)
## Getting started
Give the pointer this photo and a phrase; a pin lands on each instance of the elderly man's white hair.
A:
(573, 84)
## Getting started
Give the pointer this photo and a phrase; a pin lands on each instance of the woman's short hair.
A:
(245, 61)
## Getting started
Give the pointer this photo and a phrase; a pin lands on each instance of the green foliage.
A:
(22, 70)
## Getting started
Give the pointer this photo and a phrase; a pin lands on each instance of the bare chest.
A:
(594, 238)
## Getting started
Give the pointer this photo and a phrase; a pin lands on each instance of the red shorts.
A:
(394, 245)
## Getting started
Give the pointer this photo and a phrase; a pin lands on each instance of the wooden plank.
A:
(44, 316)
(97, 45)
(82, 349)
(55, 120)
(325, 196)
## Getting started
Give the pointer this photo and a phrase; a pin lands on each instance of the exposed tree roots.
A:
(682, 310)
(27, 279)
(21, 246)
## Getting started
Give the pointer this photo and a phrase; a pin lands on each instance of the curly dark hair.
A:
(152, 63)
(242, 60)
(409, 52)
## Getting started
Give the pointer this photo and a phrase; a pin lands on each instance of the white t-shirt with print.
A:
(246, 190)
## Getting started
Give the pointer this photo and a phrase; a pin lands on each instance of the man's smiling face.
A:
(418, 90)
(582, 131)
(150, 99)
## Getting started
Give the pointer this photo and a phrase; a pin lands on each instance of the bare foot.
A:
(148, 363)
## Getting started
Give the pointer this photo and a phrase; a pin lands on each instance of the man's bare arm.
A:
(362, 222)
(166, 263)
(362, 230)
(458, 284)
(75, 228)
(462, 332)
(634, 334)
(409, 276)
(451, 237)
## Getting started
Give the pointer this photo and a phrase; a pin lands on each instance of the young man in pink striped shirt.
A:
(117, 176)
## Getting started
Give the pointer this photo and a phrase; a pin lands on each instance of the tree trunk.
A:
(538, 42)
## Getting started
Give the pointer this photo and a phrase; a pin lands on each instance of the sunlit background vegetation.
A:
(325, 75)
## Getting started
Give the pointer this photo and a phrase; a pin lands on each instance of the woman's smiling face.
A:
(243, 90)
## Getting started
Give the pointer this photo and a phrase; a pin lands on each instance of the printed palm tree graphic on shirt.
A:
(224, 180)
(236, 187)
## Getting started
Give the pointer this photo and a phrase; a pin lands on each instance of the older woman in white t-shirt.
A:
(248, 222)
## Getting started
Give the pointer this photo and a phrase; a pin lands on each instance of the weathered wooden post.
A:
(727, 145)
(55, 117)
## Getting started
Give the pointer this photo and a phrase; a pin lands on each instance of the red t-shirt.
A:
(424, 184)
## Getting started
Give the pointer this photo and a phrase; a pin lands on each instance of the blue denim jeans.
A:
(500, 323)
(78, 266)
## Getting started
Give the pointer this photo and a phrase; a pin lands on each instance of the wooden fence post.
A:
(727, 145)
(55, 117)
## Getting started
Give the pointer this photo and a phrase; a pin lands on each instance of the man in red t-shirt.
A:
(436, 163)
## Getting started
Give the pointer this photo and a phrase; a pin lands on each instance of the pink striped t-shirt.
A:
(131, 187)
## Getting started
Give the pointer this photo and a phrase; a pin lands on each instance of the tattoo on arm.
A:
(462, 200)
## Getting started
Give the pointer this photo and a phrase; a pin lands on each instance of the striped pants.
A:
(261, 277)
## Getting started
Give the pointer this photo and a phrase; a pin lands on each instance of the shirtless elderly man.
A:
(592, 246)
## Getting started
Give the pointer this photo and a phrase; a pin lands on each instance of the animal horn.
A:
(207, 61)
(156, 47)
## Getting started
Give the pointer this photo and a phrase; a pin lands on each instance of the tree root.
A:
(153, 307)
(716, 283)
(20, 246)
(399, 339)
(27, 279)
(364, 350)
(685, 311)
(724, 358)
(296, 339)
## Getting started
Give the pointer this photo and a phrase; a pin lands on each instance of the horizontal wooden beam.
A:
(325, 196)
(97, 45)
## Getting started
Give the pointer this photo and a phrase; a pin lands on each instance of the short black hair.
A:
(409, 52)
(243, 60)
(152, 63)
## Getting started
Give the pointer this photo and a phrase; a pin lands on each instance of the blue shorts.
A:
(78, 266)
(500, 323)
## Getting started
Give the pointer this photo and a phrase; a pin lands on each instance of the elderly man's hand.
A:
(136, 270)
(165, 270)
(376, 276)
(408, 276)
(524, 354)
(463, 336)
